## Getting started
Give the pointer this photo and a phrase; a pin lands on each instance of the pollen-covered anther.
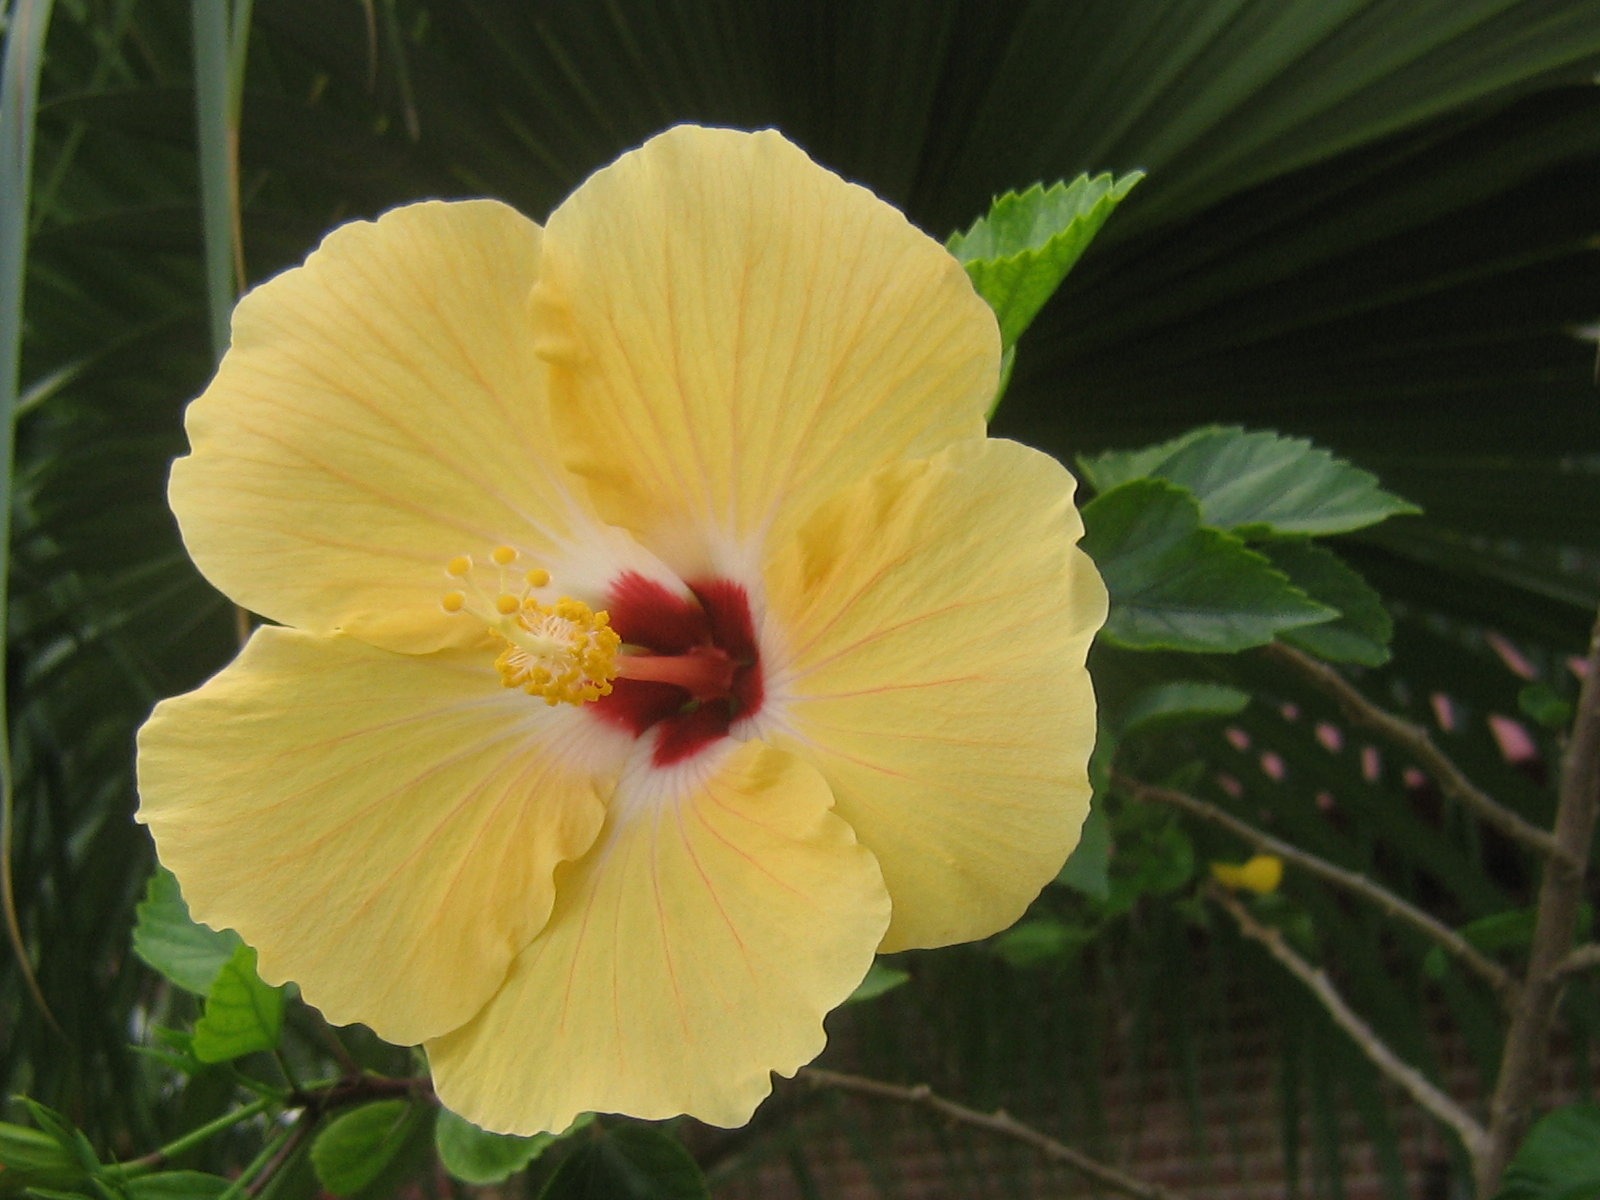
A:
(564, 651)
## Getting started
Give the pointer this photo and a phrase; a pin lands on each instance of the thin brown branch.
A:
(1353, 882)
(1584, 958)
(1382, 1056)
(1413, 739)
(1527, 1044)
(359, 1089)
(999, 1122)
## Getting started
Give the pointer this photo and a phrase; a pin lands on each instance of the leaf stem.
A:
(270, 1159)
(1414, 740)
(1353, 882)
(165, 1154)
(999, 1122)
(282, 1151)
(1382, 1056)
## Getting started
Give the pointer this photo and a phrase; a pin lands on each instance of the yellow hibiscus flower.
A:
(659, 636)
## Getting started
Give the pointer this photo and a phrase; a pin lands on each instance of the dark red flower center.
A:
(691, 665)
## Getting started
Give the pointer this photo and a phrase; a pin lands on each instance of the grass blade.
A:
(19, 99)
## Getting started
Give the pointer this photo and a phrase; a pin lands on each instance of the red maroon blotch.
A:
(649, 616)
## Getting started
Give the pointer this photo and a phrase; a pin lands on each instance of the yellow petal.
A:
(381, 827)
(936, 618)
(741, 333)
(381, 411)
(694, 951)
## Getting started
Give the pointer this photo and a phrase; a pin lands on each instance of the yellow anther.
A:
(564, 652)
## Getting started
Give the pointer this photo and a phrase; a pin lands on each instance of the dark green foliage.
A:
(628, 1162)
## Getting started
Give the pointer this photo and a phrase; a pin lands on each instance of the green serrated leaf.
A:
(175, 1185)
(1559, 1159)
(1019, 253)
(477, 1156)
(1177, 586)
(1256, 483)
(1182, 700)
(1361, 631)
(166, 938)
(356, 1146)
(1087, 867)
(880, 979)
(630, 1162)
(242, 1014)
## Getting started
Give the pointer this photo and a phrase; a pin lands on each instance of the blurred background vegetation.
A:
(1372, 223)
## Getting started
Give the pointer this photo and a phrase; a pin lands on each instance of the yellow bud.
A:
(1261, 874)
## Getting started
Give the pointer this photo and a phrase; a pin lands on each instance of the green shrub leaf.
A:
(1559, 1160)
(476, 1156)
(630, 1162)
(880, 978)
(1087, 867)
(242, 1014)
(1020, 252)
(1041, 941)
(1177, 586)
(1361, 631)
(170, 941)
(1256, 483)
(356, 1146)
(1182, 700)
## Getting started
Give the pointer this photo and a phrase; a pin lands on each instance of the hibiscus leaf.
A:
(1559, 1160)
(1361, 632)
(168, 939)
(630, 1162)
(1042, 941)
(1176, 585)
(476, 1156)
(1183, 700)
(1019, 253)
(880, 979)
(1256, 483)
(242, 1014)
(356, 1146)
(1087, 869)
